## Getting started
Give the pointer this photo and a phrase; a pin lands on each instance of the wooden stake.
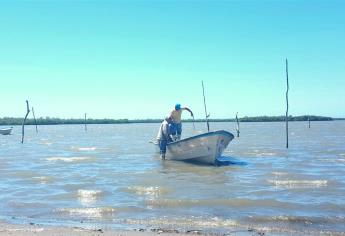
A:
(287, 104)
(237, 126)
(309, 122)
(27, 113)
(33, 113)
(85, 123)
(206, 115)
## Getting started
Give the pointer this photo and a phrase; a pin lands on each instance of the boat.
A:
(6, 131)
(203, 148)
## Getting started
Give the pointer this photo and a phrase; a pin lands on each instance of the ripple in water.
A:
(299, 183)
(69, 159)
(43, 179)
(195, 225)
(88, 197)
(90, 212)
(148, 191)
(84, 148)
(235, 202)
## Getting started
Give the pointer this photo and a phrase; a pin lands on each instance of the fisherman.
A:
(175, 115)
(163, 136)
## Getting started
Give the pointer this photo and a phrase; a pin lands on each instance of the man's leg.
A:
(163, 148)
(173, 131)
(179, 130)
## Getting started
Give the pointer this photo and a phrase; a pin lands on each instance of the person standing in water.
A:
(163, 136)
(175, 115)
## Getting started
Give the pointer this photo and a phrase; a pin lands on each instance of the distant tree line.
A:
(58, 121)
(282, 118)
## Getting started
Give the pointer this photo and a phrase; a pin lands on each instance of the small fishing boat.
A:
(203, 148)
(6, 131)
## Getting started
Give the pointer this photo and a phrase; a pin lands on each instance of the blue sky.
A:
(136, 59)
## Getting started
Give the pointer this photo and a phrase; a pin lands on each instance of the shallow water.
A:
(110, 176)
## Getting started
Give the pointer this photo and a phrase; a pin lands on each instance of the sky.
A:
(137, 59)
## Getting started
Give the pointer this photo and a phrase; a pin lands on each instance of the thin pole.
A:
(85, 123)
(287, 104)
(27, 113)
(33, 113)
(206, 115)
(193, 123)
(309, 122)
(237, 126)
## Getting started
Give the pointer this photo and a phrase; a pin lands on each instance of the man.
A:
(175, 115)
(163, 136)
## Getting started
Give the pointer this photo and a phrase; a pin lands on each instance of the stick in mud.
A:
(206, 115)
(33, 113)
(85, 123)
(237, 126)
(26, 116)
(287, 104)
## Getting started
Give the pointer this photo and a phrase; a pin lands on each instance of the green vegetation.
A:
(58, 121)
(282, 118)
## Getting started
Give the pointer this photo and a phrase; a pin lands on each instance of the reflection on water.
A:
(226, 161)
(110, 175)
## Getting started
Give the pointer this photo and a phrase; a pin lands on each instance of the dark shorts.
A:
(176, 128)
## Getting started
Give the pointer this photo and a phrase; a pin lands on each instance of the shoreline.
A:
(31, 229)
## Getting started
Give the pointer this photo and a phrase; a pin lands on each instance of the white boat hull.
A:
(6, 131)
(203, 148)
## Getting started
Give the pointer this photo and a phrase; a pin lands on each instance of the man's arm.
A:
(190, 111)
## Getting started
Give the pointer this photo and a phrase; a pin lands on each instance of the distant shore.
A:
(59, 121)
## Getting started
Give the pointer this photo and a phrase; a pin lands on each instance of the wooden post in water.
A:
(27, 113)
(33, 113)
(237, 126)
(309, 122)
(85, 123)
(287, 104)
(206, 115)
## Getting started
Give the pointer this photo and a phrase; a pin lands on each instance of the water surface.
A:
(110, 176)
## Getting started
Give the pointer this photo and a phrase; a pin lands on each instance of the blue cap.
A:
(177, 106)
